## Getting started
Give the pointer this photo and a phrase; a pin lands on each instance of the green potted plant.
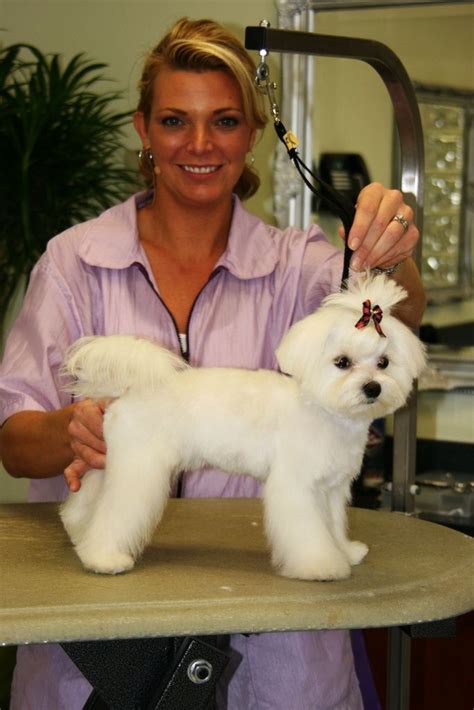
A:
(61, 153)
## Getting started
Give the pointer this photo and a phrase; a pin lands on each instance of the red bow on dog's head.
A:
(368, 312)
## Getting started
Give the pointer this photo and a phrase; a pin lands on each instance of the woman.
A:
(185, 264)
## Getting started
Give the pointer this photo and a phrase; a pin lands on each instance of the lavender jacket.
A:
(95, 279)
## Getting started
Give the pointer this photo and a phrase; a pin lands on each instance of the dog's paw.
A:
(319, 568)
(107, 562)
(356, 551)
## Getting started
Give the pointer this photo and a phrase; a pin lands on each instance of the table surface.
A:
(208, 571)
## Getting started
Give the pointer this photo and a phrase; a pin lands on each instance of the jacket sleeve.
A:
(47, 323)
(321, 272)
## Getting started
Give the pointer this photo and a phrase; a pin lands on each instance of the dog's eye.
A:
(343, 362)
(383, 362)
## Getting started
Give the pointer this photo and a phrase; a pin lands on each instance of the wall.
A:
(436, 45)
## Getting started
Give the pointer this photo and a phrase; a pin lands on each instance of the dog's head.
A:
(352, 357)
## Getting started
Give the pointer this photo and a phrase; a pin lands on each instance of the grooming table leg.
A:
(399, 656)
(398, 673)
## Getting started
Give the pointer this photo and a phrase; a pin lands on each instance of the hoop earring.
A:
(146, 156)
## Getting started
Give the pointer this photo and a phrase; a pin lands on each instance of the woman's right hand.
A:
(86, 433)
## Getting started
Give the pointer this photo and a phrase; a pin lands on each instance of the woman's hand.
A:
(86, 434)
(375, 237)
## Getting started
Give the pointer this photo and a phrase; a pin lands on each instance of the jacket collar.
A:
(111, 241)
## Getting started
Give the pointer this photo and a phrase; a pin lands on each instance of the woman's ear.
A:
(140, 127)
(253, 136)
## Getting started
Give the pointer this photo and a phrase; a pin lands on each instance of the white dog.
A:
(303, 431)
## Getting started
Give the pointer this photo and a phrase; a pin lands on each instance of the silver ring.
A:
(401, 219)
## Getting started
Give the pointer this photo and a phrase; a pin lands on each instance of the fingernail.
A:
(354, 243)
(356, 264)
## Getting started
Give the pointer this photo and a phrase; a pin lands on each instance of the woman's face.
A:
(198, 135)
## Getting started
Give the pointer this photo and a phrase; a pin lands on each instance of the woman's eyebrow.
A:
(173, 110)
(217, 111)
(228, 108)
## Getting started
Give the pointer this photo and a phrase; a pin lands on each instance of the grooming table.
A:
(208, 572)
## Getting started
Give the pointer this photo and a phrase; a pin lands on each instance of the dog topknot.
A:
(377, 288)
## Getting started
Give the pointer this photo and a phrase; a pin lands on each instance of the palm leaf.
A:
(61, 141)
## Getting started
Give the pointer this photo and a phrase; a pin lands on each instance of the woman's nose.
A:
(200, 140)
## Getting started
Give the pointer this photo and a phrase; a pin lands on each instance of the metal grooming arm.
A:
(407, 118)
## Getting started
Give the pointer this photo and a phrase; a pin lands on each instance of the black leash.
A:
(337, 201)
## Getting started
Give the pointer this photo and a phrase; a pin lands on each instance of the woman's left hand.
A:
(376, 238)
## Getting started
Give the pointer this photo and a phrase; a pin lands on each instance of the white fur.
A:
(304, 435)
(108, 365)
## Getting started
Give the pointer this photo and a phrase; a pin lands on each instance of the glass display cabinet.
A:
(448, 128)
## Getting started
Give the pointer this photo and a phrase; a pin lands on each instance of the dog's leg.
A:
(337, 501)
(301, 542)
(131, 503)
(78, 509)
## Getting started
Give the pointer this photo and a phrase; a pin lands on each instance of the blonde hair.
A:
(204, 45)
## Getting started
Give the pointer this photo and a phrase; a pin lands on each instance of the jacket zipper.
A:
(184, 355)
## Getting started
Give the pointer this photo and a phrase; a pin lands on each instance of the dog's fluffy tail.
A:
(109, 366)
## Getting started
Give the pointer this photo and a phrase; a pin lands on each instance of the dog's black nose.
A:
(372, 390)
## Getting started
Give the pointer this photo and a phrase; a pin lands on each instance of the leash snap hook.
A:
(267, 86)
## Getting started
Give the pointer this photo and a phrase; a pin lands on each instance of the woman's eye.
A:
(343, 362)
(383, 362)
(171, 121)
(228, 122)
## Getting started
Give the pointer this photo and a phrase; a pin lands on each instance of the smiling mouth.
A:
(200, 169)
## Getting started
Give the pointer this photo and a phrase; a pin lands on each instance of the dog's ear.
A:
(300, 348)
(408, 347)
